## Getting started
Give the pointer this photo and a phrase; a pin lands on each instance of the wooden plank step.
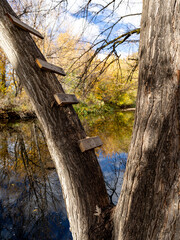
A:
(49, 67)
(65, 99)
(89, 143)
(178, 76)
(24, 26)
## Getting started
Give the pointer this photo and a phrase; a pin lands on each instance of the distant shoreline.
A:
(13, 115)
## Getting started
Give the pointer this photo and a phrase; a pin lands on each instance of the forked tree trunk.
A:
(79, 173)
(149, 205)
(148, 208)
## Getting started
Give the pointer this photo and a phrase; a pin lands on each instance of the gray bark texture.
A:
(79, 173)
(149, 205)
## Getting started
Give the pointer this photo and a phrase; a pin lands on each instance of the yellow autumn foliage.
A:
(109, 87)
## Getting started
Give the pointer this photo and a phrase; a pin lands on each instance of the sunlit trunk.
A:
(149, 206)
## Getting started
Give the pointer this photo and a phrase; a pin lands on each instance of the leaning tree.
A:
(148, 207)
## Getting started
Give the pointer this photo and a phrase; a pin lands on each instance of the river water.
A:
(31, 202)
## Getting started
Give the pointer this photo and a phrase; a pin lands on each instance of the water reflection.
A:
(113, 167)
(115, 130)
(31, 202)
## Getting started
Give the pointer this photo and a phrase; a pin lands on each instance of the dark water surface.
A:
(31, 202)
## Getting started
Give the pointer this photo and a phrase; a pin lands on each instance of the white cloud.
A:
(121, 31)
(134, 7)
(128, 7)
(124, 7)
(74, 6)
(89, 31)
(80, 27)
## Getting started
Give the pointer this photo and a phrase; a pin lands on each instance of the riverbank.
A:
(8, 113)
(84, 109)
(81, 109)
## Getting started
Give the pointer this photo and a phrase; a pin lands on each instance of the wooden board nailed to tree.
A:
(65, 99)
(89, 143)
(24, 26)
(50, 67)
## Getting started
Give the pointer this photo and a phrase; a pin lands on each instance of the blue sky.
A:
(90, 30)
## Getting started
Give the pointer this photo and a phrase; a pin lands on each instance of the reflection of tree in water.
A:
(31, 203)
(113, 167)
(114, 129)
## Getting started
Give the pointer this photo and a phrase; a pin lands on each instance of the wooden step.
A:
(49, 67)
(65, 99)
(178, 76)
(89, 143)
(24, 26)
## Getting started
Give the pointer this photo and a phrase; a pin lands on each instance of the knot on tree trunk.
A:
(103, 227)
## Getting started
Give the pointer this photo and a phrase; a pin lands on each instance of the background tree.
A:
(107, 41)
(85, 66)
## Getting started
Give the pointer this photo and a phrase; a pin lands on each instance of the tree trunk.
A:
(79, 173)
(149, 205)
(148, 208)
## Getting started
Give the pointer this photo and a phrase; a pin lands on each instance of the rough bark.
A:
(149, 205)
(148, 208)
(79, 173)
